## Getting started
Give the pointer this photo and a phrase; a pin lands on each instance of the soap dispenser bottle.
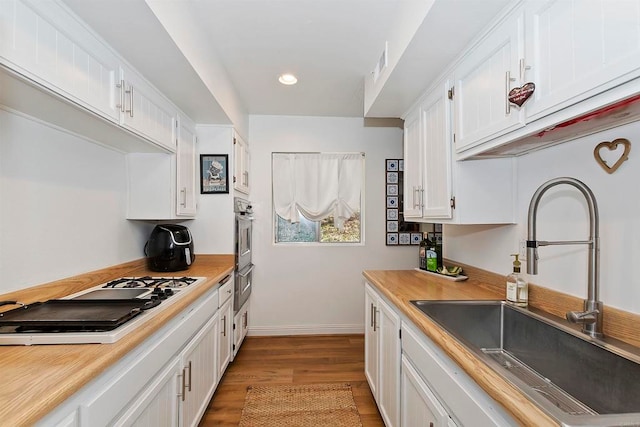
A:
(517, 287)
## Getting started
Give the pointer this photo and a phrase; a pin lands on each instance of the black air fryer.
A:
(169, 248)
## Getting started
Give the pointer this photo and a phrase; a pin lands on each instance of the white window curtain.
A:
(317, 185)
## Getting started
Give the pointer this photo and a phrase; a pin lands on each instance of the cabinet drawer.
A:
(225, 292)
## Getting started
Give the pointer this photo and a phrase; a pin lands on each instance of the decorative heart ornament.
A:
(612, 147)
(518, 95)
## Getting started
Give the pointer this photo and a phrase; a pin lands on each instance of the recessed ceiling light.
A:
(287, 79)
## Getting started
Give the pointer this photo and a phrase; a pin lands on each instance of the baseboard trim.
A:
(257, 331)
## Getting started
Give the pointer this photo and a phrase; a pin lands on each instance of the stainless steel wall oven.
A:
(243, 248)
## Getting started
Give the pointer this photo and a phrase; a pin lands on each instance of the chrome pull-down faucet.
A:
(591, 317)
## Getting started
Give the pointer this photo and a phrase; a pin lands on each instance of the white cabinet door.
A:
(413, 167)
(482, 81)
(451, 192)
(240, 327)
(199, 373)
(186, 168)
(420, 407)
(44, 43)
(225, 336)
(241, 164)
(163, 186)
(382, 355)
(578, 48)
(389, 351)
(157, 406)
(371, 339)
(146, 111)
(435, 114)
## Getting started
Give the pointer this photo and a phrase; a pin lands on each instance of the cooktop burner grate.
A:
(151, 282)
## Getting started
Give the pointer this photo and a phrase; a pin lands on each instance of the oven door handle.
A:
(246, 272)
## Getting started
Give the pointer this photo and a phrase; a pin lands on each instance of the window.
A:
(317, 197)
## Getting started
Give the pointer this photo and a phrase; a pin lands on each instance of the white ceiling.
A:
(331, 45)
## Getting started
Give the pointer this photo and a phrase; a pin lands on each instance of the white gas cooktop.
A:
(165, 290)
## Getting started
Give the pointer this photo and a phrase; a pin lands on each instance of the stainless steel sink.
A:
(576, 379)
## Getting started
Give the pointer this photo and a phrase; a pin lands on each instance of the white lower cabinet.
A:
(420, 408)
(382, 355)
(157, 406)
(240, 327)
(414, 383)
(199, 375)
(167, 381)
(225, 336)
(451, 392)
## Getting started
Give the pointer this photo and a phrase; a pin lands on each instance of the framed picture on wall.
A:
(214, 173)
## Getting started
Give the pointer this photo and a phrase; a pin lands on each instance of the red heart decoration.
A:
(518, 95)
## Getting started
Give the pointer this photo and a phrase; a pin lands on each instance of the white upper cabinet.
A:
(186, 168)
(444, 190)
(583, 56)
(241, 162)
(413, 167)
(578, 48)
(163, 186)
(427, 158)
(435, 115)
(146, 111)
(45, 46)
(40, 42)
(483, 78)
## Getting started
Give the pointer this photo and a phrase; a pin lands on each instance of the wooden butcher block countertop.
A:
(37, 378)
(402, 286)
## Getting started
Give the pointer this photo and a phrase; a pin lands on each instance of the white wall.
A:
(318, 289)
(563, 214)
(62, 206)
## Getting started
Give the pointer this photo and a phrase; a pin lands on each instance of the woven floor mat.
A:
(312, 405)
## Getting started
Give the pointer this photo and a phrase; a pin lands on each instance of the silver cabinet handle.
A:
(120, 86)
(184, 385)
(246, 320)
(375, 320)
(183, 192)
(224, 326)
(415, 190)
(421, 198)
(371, 315)
(130, 92)
(189, 386)
(507, 86)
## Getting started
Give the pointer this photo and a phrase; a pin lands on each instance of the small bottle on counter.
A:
(517, 287)
(428, 255)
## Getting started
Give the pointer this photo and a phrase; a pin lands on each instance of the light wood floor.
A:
(292, 360)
